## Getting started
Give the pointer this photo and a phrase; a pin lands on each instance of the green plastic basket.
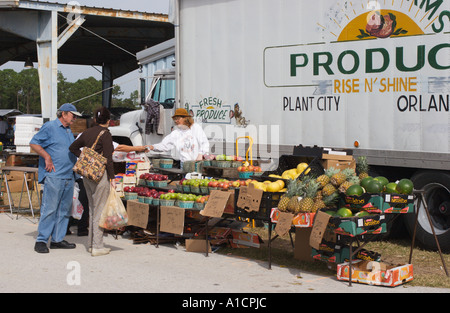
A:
(186, 204)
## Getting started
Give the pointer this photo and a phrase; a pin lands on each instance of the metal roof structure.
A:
(53, 33)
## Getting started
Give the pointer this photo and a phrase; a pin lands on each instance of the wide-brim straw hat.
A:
(181, 112)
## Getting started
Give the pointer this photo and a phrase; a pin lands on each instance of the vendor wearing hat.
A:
(55, 173)
(187, 138)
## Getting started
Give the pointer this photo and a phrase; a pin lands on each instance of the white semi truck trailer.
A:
(370, 76)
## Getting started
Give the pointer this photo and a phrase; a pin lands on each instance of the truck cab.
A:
(133, 125)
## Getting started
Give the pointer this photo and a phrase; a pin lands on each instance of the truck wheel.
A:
(437, 196)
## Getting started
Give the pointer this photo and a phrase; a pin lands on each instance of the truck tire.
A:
(436, 185)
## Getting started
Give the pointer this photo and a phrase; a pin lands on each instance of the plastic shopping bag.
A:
(114, 215)
(77, 207)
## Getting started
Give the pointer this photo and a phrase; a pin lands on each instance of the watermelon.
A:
(374, 187)
(354, 190)
(391, 188)
(365, 181)
(405, 186)
(344, 212)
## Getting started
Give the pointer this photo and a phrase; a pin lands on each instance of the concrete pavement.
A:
(144, 268)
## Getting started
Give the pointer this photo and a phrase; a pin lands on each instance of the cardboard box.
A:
(302, 249)
(338, 160)
(376, 273)
(16, 186)
(339, 164)
(367, 201)
(356, 226)
(331, 252)
(14, 160)
(397, 203)
(244, 239)
(218, 203)
(299, 220)
(197, 245)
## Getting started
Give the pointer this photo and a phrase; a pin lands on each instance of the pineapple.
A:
(284, 200)
(338, 178)
(282, 204)
(328, 190)
(362, 167)
(306, 204)
(353, 180)
(325, 202)
(325, 178)
(296, 191)
(344, 175)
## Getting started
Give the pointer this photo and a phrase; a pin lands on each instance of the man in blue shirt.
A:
(55, 173)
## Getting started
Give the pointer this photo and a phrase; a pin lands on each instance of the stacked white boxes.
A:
(26, 128)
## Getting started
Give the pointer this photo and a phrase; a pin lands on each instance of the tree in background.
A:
(21, 91)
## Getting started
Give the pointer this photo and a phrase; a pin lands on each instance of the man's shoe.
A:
(41, 247)
(62, 245)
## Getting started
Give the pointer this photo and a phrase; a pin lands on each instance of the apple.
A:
(240, 168)
(225, 185)
(250, 168)
(213, 183)
(236, 183)
(171, 191)
(256, 168)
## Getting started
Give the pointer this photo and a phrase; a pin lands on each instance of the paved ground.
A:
(144, 268)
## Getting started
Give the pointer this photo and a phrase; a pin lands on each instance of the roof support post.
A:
(47, 52)
(107, 83)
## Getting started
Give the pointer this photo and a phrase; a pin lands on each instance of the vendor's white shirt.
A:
(188, 143)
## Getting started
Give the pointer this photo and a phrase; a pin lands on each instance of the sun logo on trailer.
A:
(368, 20)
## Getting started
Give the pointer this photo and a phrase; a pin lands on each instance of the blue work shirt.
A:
(55, 139)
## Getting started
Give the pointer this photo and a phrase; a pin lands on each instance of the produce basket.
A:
(166, 202)
(199, 205)
(186, 188)
(204, 190)
(149, 183)
(155, 201)
(141, 199)
(148, 200)
(166, 163)
(186, 204)
(195, 189)
(245, 175)
(193, 166)
(223, 163)
(156, 162)
(160, 183)
(130, 195)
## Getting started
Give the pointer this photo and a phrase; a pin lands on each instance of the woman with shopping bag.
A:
(99, 139)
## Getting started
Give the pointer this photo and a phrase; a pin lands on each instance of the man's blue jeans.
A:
(55, 209)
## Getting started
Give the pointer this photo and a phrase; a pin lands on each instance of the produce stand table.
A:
(25, 170)
(269, 200)
(173, 173)
(418, 202)
(158, 221)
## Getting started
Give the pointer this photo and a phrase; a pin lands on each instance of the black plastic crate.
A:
(269, 200)
(287, 162)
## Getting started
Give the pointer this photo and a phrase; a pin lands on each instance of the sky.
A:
(129, 82)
